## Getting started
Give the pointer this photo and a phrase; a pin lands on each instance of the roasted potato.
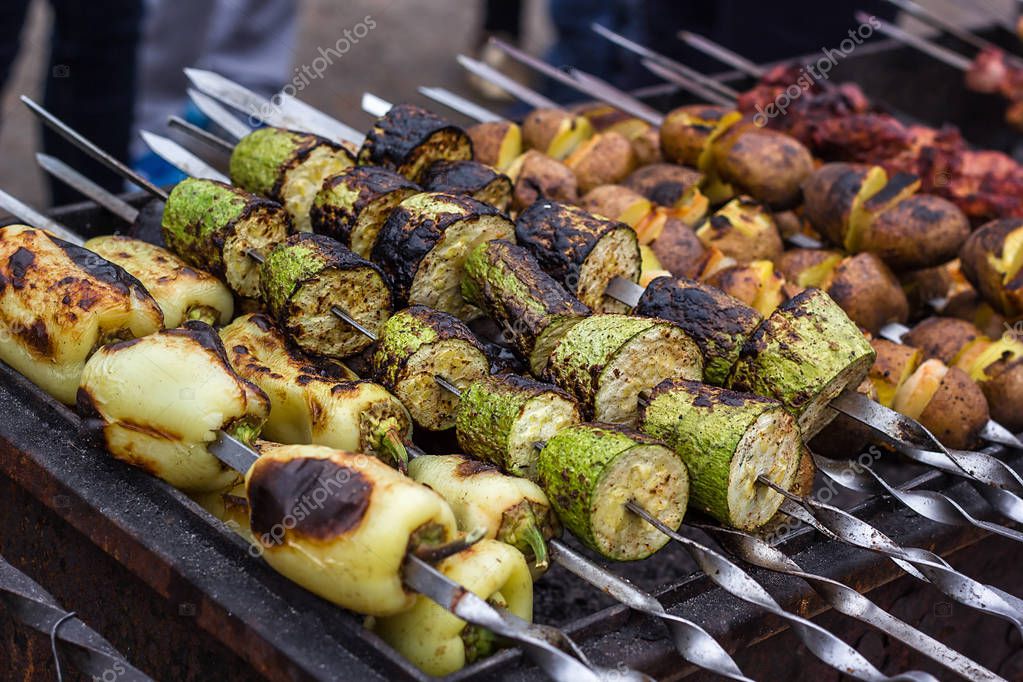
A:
(956, 410)
(992, 260)
(808, 267)
(919, 232)
(1002, 384)
(942, 337)
(767, 164)
(605, 158)
(744, 230)
(867, 291)
(617, 203)
(555, 132)
(756, 284)
(688, 132)
(894, 364)
(832, 194)
(537, 176)
(679, 250)
(496, 143)
(663, 183)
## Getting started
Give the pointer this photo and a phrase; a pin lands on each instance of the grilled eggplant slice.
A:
(425, 242)
(533, 310)
(212, 226)
(418, 344)
(340, 524)
(992, 260)
(606, 361)
(353, 205)
(555, 132)
(591, 470)
(314, 400)
(476, 179)
(183, 292)
(59, 303)
(306, 276)
(288, 167)
(158, 402)
(496, 143)
(502, 417)
(537, 176)
(717, 322)
(438, 642)
(407, 139)
(511, 509)
(580, 250)
(727, 440)
(805, 354)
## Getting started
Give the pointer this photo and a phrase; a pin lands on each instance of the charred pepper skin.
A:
(407, 139)
(424, 244)
(478, 180)
(719, 323)
(805, 354)
(726, 440)
(533, 310)
(305, 276)
(580, 250)
(353, 205)
(210, 225)
(288, 167)
(59, 302)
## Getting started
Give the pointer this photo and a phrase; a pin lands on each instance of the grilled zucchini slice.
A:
(478, 180)
(407, 139)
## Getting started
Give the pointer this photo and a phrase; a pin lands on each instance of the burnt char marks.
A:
(313, 498)
(19, 263)
(457, 177)
(369, 183)
(102, 269)
(397, 137)
(468, 467)
(707, 396)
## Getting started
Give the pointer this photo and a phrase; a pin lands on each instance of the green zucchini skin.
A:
(574, 467)
(533, 310)
(412, 235)
(705, 425)
(806, 353)
(417, 343)
(307, 274)
(209, 224)
(563, 237)
(352, 206)
(719, 323)
(491, 415)
(407, 139)
(476, 179)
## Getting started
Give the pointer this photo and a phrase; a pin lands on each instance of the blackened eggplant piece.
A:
(478, 180)
(407, 139)
(582, 251)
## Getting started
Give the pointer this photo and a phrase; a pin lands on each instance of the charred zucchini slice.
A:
(183, 293)
(717, 322)
(212, 226)
(306, 276)
(288, 167)
(425, 242)
(605, 361)
(805, 354)
(407, 139)
(416, 345)
(502, 417)
(727, 440)
(591, 470)
(353, 205)
(533, 310)
(580, 250)
(478, 180)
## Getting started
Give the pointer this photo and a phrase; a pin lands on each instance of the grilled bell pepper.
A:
(229, 506)
(315, 401)
(717, 322)
(512, 509)
(438, 642)
(352, 206)
(340, 524)
(288, 167)
(605, 361)
(591, 470)
(307, 275)
(183, 293)
(501, 418)
(59, 303)
(805, 354)
(478, 180)
(407, 139)
(424, 243)
(533, 310)
(582, 251)
(727, 440)
(416, 345)
(158, 402)
(211, 226)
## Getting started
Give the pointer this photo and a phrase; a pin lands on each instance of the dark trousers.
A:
(90, 80)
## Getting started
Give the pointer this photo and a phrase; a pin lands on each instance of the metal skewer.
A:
(686, 83)
(23, 211)
(931, 18)
(942, 54)
(722, 54)
(88, 188)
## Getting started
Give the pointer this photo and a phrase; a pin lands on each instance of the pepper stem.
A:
(203, 313)
(434, 553)
(532, 536)
(392, 444)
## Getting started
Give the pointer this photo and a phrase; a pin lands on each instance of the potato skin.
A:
(679, 250)
(976, 254)
(487, 139)
(537, 176)
(685, 131)
(868, 292)
(1004, 392)
(540, 127)
(663, 183)
(957, 412)
(794, 264)
(918, 232)
(604, 159)
(941, 337)
(764, 163)
(828, 196)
